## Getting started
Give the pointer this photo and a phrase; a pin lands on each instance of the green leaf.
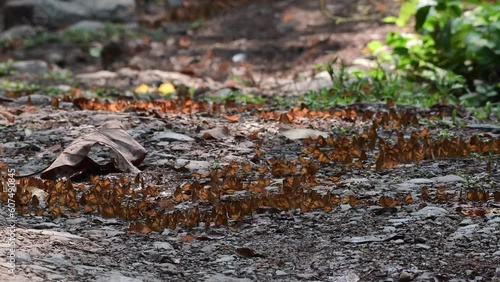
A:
(95, 52)
(375, 45)
(421, 16)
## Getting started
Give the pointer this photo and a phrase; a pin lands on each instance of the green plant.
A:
(6, 68)
(456, 48)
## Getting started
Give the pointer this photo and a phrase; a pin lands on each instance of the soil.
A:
(435, 224)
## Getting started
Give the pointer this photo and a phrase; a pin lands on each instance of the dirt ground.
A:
(423, 220)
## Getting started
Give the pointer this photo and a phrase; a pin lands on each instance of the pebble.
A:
(423, 246)
(280, 273)
(405, 276)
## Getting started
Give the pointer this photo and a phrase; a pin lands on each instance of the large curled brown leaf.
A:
(74, 160)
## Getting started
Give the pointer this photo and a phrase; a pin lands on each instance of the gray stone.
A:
(66, 236)
(419, 181)
(163, 245)
(108, 10)
(36, 100)
(448, 178)
(99, 78)
(225, 258)
(172, 136)
(405, 276)
(31, 66)
(118, 277)
(20, 32)
(224, 278)
(464, 231)
(280, 273)
(193, 166)
(22, 257)
(76, 221)
(430, 212)
(423, 246)
(87, 25)
(57, 13)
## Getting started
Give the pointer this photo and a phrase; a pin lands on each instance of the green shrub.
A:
(456, 47)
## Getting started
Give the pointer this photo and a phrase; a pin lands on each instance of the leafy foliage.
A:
(456, 47)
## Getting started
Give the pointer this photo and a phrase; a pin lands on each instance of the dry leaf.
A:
(74, 160)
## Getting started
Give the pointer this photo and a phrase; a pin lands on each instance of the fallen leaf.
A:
(233, 118)
(74, 160)
(218, 133)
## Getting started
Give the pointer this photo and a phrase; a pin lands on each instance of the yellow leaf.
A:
(142, 89)
(166, 88)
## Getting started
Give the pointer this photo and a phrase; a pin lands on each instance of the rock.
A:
(76, 220)
(20, 32)
(225, 258)
(303, 133)
(369, 238)
(65, 236)
(193, 166)
(108, 10)
(405, 276)
(171, 136)
(430, 212)
(419, 181)
(163, 245)
(57, 13)
(36, 100)
(348, 277)
(99, 78)
(86, 25)
(22, 257)
(300, 87)
(307, 276)
(465, 222)
(118, 277)
(31, 66)
(223, 278)
(280, 273)
(448, 178)
(464, 231)
(423, 246)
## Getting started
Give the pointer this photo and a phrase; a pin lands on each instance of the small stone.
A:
(430, 211)
(423, 246)
(280, 273)
(172, 136)
(306, 275)
(224, 278)
(448, 178)
(405, 276)
(87, 25)
(420, 181)
(22, 257)
(467, 221)
(225, 258)
(163, 245)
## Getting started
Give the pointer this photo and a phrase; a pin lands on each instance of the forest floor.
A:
(239, 189)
